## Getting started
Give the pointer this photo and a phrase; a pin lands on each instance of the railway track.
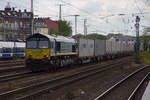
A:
(15, 76)
(51, 84)
(11, 69)
(11, 63)
(134, 93)
(129, 90)
(12, 60)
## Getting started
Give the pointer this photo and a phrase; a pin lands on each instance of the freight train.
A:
(9, 50)
(48, 52)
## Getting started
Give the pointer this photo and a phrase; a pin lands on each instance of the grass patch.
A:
(145, 57)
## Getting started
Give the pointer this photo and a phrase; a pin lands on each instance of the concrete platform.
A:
(146, 95)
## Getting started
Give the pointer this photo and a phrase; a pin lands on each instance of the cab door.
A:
(52, 45)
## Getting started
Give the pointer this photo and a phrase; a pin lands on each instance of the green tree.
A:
(91, 36)
(65, 28)
(79, 36)
(52, 31)
(96, 36)
(146, 38)
(147, 30)
(112, 34)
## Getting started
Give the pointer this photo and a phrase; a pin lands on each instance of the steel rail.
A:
(9, 61)
(118, 83)
(8, 69)
(138, 86)
(9, 77)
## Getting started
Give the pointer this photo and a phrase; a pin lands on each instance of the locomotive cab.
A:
(38, 50)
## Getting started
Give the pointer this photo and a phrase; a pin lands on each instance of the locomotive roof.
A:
(58, 38)
(65, 39)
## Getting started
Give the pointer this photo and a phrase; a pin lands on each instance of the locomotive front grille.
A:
(37, 54)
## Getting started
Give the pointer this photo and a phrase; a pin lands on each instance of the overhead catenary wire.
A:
(85, 12)
(91, 16)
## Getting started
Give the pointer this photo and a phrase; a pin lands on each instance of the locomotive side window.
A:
(31, 44)
(74, 48)
(58, 46)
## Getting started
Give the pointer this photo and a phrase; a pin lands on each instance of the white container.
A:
(100, 47)
(118, 46)
(90, 47)
(108, 47)
(114, 47)
(86, 47)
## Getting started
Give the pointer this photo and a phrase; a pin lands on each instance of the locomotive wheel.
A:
(53, 69)
(61, 63)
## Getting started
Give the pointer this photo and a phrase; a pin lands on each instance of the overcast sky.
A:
(102, 15)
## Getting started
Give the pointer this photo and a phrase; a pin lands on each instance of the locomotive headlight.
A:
(29, 56)
(46, 56)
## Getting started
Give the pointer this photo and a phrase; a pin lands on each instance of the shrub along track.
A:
(62, 80)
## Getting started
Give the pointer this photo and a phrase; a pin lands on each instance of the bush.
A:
(145, 56)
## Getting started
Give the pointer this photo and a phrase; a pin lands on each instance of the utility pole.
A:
(60, 15)
(75, 22)
(85, 27)
(32, 6)
(32, 23)
(60, 11)
(137, 39)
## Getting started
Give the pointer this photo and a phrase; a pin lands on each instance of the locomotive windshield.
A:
(43, 44)
(37, 41)
(31, 44)
(37, 44)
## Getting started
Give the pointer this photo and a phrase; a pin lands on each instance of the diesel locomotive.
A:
(46, 52)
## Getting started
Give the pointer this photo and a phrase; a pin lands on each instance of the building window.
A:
(21, 24)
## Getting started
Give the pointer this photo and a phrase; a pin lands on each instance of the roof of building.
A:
(40, 22)
(11, 13)
(51, 24)
(45, 22)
